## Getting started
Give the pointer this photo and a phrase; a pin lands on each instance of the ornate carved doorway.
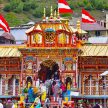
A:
(48, 69)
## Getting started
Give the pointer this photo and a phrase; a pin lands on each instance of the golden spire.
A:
(44, 12)
(55, 14)
(51, 12)
(78, 26)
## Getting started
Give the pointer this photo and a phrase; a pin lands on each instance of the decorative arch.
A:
(48, 69)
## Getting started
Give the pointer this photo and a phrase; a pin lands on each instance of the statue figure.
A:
(68, 86)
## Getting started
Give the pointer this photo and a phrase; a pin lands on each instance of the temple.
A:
(51, 47)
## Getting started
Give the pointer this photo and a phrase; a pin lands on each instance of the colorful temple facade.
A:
(53, 47)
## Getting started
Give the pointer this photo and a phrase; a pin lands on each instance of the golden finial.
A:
(44, 12)
(55, 14)
(78, 26)
(66, 22)
(51, 12)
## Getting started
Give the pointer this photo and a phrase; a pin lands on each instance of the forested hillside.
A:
(19, 12)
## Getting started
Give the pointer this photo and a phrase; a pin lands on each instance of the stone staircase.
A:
(53, 104)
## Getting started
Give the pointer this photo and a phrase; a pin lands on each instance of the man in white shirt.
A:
(38, 83)
(1, 105)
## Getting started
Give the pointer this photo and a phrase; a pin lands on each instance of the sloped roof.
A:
(18, 33)
(9, 52)
(87, 26)
(7, 36)
(92, 27)
(95, 50)
(51, 25)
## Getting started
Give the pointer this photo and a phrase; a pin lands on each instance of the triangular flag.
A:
(3, 24)
(86, 17)
(63, 7)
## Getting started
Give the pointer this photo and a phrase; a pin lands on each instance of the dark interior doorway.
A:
(49, 69)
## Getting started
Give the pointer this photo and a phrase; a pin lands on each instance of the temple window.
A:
(90, 86)
(62, 38)
(97, 33)
(69, 66)
(37, 38)
(68, 63)
(49, 36)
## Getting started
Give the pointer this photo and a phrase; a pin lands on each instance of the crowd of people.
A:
(8, 103)
(50, 90)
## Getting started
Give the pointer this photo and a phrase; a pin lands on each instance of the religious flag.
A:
(63, 7)
(86, 17)
(3, 24)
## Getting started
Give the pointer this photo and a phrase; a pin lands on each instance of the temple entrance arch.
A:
(48, 69)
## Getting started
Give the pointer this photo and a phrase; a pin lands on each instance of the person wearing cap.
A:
(1, 105)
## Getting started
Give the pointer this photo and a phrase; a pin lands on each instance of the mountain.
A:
(19, 12)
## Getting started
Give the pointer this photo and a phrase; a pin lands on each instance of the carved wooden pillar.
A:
(21, 75)
(1, 85)
(7, 77)
(24, 79)
(70, 39)
(76, 69)
(56, 40)
(82, 84)
(43, 39)
(6, 86)
(14, 88)
(17, 91)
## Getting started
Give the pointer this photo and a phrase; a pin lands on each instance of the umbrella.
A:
(104, 73)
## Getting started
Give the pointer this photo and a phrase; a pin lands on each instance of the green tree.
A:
(27, 6)
(14, 4)
(38, 12)
(12, 19)
(88, 6)
(7, 8)
(19, 8)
